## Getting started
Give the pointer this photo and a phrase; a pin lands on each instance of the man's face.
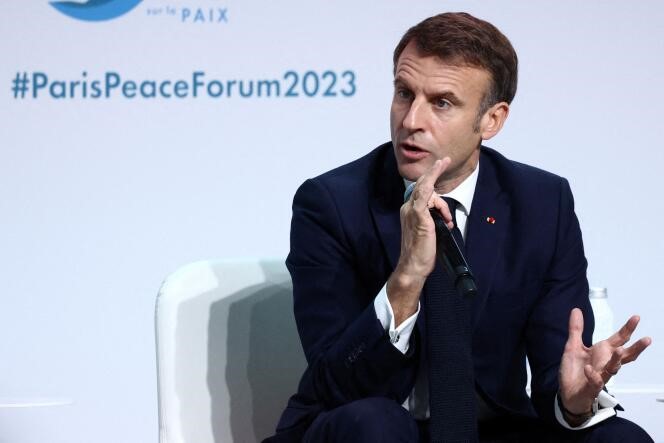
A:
(434, 114)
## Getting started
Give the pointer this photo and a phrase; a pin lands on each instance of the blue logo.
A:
(95, 10)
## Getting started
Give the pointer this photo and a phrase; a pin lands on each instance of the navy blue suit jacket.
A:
(345, 241)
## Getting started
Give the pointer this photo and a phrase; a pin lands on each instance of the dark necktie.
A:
(449, 351)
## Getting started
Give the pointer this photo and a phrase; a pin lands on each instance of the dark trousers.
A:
(382, 420)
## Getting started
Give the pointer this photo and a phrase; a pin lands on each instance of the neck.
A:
(449, 181)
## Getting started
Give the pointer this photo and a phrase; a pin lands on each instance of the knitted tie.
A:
(449, 348)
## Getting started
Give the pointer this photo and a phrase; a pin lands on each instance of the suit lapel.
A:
(487, 225)
(384, 204)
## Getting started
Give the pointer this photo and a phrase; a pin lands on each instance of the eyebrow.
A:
(451, 96)
(446, 94)
(398, 82)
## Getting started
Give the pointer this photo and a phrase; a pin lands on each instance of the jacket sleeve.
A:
(565, 287)
(348, 351)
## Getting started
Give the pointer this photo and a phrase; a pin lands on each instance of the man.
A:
(361, 260)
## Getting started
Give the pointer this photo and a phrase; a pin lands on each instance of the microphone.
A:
(449, 253)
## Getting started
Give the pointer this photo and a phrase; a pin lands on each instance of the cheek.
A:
(458, 134)
(444, 137)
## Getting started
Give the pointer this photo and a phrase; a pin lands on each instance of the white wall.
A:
(101, 198)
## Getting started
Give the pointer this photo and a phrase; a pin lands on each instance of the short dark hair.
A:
(461, 39)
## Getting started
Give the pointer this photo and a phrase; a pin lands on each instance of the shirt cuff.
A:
(607, 404)
(399, 337)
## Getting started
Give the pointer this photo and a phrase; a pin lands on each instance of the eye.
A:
(442, 103)
(403, 94)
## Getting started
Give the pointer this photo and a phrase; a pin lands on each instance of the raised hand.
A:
(418, 243)
(585, 370)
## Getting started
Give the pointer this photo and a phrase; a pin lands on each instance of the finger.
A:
(431, 203)
(595, 380)
(431, 175)
(612, 367)
(575, 332)
(423, 189)
(633, 352)
(623, 335)
(441, 206)
(424, 186)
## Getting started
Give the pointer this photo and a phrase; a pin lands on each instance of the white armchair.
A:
(228, 354)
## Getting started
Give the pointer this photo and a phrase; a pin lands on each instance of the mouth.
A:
(412, 152)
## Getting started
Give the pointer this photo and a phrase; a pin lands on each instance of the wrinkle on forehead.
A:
(430, 72)
(434, 76)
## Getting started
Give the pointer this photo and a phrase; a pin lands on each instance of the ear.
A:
(493, 120)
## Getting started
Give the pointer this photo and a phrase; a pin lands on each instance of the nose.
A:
(414, 118)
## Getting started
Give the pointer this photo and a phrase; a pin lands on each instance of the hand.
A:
(584, 371)
(418, 243)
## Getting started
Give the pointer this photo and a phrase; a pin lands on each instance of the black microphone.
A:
(449, 253)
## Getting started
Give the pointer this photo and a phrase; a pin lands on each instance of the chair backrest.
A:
(228, 354)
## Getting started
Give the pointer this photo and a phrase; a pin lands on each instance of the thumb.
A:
(575, 327)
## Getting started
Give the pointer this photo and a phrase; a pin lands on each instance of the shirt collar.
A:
(463, 193)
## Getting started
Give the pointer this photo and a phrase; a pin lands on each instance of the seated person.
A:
(385, 361)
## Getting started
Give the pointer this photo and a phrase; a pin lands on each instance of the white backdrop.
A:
(100, 198)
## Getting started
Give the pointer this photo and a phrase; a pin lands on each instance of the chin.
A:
(411, 171)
